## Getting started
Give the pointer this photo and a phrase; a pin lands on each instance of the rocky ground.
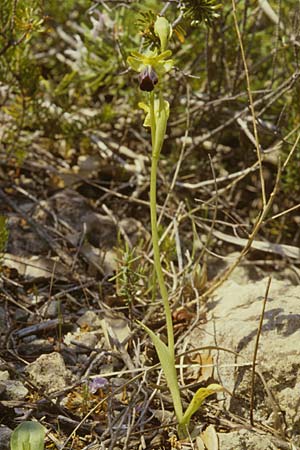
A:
(73, 358)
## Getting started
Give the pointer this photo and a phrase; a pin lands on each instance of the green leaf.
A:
(167, 362)
(195, 404)
(28, 436)
(64, 84)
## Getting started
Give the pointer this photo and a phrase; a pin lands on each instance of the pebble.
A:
(5, 433)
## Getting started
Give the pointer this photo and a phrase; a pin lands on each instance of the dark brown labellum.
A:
(148, 79)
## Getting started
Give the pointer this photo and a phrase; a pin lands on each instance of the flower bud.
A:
(148, 79)
(163, 30)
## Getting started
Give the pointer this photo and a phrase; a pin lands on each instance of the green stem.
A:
(157, 142)
(156, 254)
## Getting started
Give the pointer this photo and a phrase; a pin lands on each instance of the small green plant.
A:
(152, 65)
(28, 436)
(130, 275)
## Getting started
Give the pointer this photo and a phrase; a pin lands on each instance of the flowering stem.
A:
(158, 123)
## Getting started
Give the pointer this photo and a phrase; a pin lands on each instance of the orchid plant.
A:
(152, 66)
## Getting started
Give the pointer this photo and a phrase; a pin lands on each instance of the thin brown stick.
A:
(256, 350)
(282, 213)
(219, 281)
(292, 151)
(251, 105)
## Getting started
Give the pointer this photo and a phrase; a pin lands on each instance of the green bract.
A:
(163, 29)
(157, 110)
(159, 62)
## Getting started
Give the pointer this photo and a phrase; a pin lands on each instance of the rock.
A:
(89, 319)
(68, 205)
(49, 373)
(244, 439)
(13, 390)
(101, 230)
(4, 375)
(5, 433)
(242, 274)
(133, 229)
(51, 309)
(21, 315)
(35, 347)
(88, 341)
(233, 319)
(22, 240)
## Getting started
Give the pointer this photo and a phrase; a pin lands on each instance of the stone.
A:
(14, 390)
(244, 439)
(49, 373)
(4, 375)
(233, 319)
(21, 315)
(35, 347)
(89, 341)
(90, 319)
(52, 309)
(5, 434)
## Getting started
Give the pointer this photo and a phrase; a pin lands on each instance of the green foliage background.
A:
(63, 72)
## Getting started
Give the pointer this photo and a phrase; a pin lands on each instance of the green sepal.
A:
(158, 61)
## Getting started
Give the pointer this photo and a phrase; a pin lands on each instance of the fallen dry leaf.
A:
(205, 369)
(210, 438)
(199, 443)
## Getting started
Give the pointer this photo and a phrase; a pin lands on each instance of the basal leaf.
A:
(168, 365)
(28, 436)
(195, 404)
